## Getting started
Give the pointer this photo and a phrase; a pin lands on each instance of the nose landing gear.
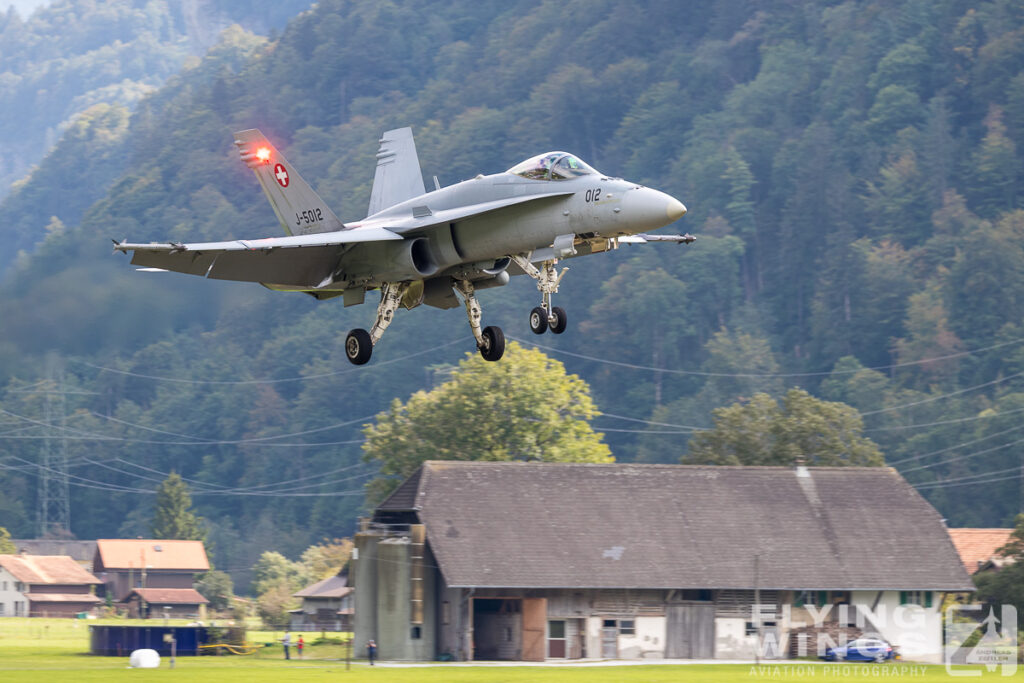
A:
(545, 317)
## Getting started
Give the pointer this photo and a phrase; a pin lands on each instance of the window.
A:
(815, 598)
(627, 627)
(446, 612)
(923, 598)
(417, 632)
(1, 609)
(751, 629)
(556, 629)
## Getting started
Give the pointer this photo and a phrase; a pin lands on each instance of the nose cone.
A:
(675, 209)
(647, 209)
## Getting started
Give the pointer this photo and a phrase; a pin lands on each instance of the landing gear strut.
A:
(545, 317)
(490, 340)
(359, 343)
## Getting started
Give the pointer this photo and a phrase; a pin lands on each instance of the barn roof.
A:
(548, 525)
(46, 569)
(331, 587)
(168, 596)
(121, 553)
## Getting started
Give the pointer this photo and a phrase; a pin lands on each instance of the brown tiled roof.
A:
(168, 596)
(63, 597)
(547, 525)
(157, 554)
(332, 587)
(46, 569)
(978, 546)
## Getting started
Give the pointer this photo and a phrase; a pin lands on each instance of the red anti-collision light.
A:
(263, 154)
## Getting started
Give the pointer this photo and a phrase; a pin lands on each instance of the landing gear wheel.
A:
(538, 320)
(358, 346)
(493, 347)
(560, 320)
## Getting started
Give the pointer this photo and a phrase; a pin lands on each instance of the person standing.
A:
(371, 651)
(301, 644)
(287, 641)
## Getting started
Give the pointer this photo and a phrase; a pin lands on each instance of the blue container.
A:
(119, 641)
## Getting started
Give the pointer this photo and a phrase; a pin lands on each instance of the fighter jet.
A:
(420, 247)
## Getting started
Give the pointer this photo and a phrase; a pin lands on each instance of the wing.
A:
(422, 217)
(300, 260)
(398, 176)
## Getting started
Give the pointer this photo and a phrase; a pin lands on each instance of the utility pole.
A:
(757, 607)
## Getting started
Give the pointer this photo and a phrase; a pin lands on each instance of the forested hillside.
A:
(66, 64)
(852, 170)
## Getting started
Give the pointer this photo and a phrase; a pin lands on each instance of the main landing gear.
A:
(545, 317)
(359, 343)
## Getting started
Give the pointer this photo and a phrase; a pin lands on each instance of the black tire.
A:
(538, 320)
(561, 320)
(493, 347)
(358, 346)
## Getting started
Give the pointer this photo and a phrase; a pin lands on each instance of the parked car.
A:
(861, 650)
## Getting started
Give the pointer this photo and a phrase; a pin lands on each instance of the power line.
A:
(761, 375)
(959, 445)
(243, 382)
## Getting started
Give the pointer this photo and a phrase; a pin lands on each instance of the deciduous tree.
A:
(524, 408)
(762, 431)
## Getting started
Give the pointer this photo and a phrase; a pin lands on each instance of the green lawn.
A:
(55, 650)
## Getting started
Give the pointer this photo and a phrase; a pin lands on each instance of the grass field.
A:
(55, 650)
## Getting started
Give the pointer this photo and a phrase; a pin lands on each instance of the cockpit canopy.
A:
(552, 166)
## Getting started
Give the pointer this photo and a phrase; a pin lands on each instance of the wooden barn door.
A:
(535, 621)
(690, 631)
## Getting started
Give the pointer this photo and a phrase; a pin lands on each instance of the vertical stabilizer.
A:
(298, 207)
(398, 176)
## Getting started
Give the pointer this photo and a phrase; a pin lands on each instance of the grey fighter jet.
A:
(421, 247)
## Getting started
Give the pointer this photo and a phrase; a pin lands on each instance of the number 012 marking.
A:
(593, 195)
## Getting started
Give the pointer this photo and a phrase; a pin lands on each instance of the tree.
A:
(763, 432)
(524, 408)
(6, 547)
(1006, 586)
(327, 559)
(217, 587)
(174, 517)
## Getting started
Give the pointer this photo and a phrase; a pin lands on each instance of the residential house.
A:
(45, 586)
(535, 561)
(326, 606)
(978, 547)
(131, 568)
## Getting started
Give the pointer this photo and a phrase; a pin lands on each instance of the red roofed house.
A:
(149, 574)
(977, 547)
(44, 586)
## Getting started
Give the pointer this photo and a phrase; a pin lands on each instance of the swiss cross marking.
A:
(281, 174)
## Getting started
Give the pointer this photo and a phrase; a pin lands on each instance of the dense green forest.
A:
(66, 64)
(852, 171)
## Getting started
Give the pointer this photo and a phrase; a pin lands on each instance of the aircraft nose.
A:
(675, 209)
(648, 209)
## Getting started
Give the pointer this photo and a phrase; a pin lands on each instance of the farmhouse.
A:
(534, 561)
(44, 586)
(326, 605)
(148, 574)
